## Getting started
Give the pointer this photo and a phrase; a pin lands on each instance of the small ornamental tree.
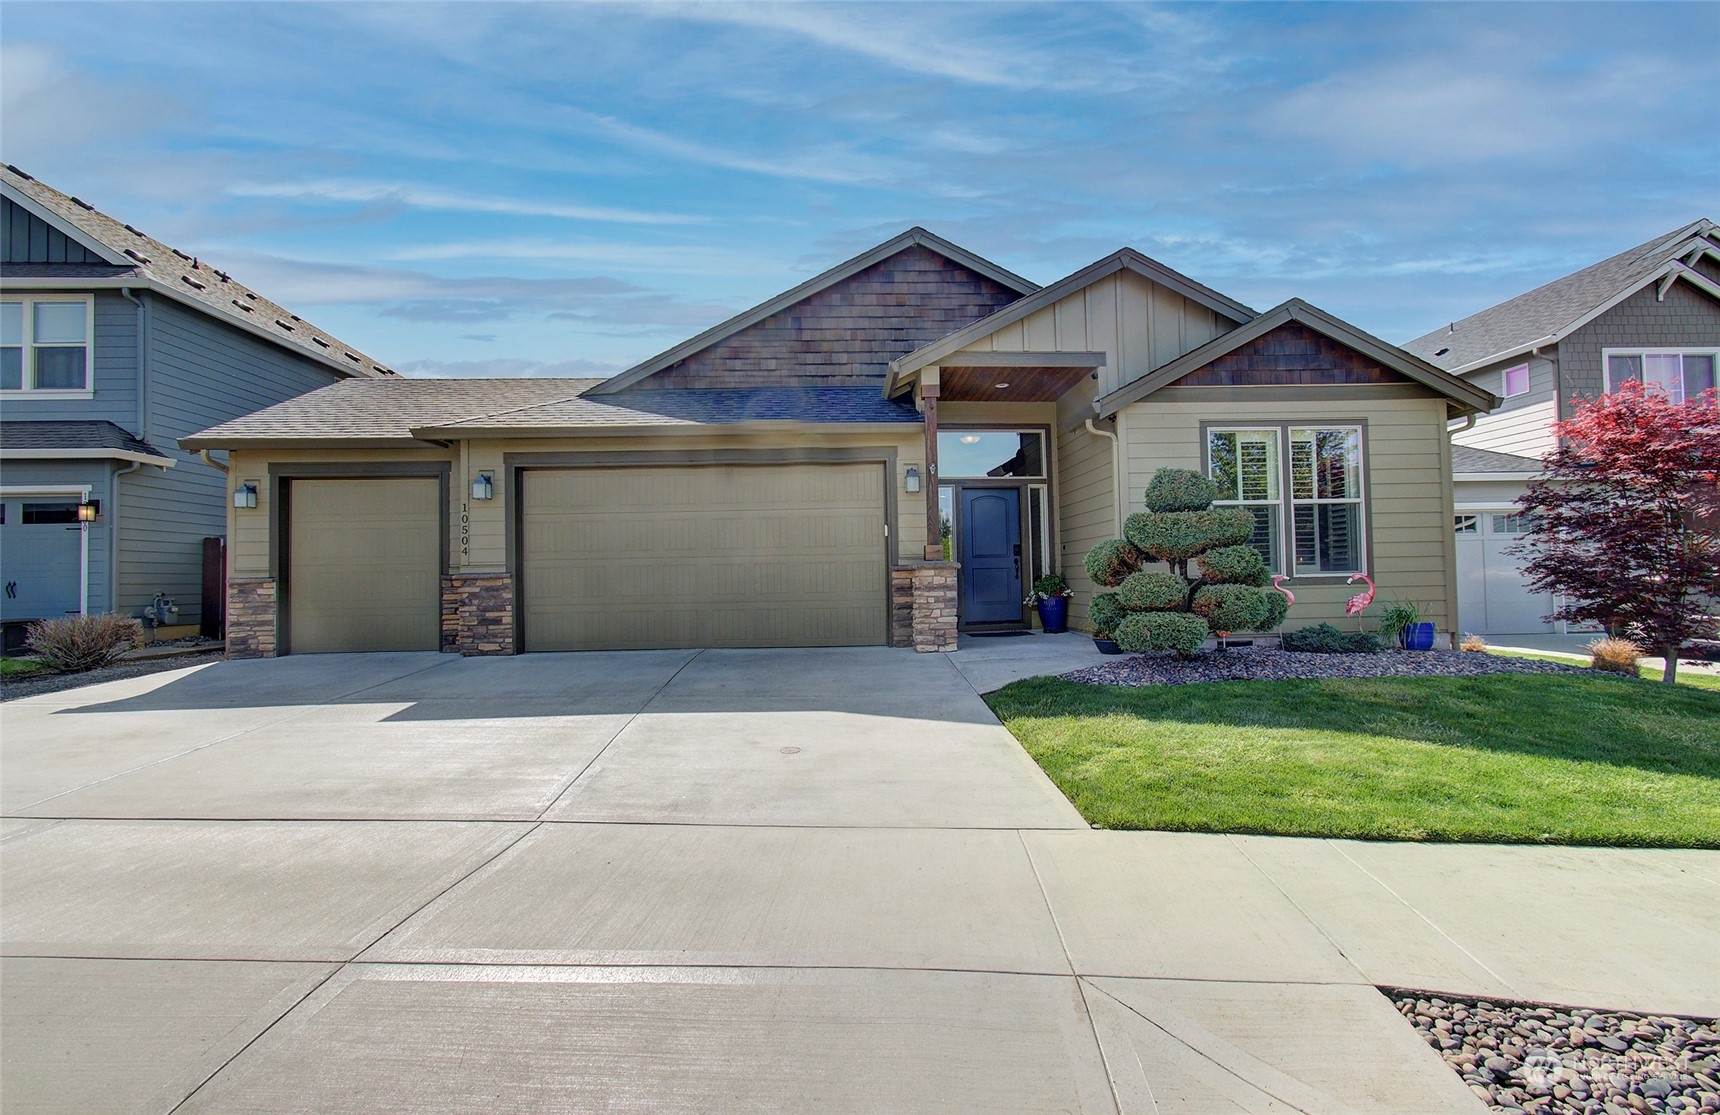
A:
(1213, 581)
(1625, 522)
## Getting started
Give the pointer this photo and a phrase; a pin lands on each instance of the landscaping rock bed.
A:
(1571, 1061)
(1272, 664)
(34, 684)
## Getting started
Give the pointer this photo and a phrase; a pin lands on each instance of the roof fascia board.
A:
(1124, 259)
(819, 282)
(85, 455)
(1445, 383)
(88, 242)
(1462, 476)
(691, 429)
(122, 282)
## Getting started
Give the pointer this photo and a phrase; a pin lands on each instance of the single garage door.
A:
(1493, 598)
(364, 565)
(714, 556)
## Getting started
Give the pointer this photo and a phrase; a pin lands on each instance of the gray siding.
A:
(94, 473)
(202, 372)
(1686, 317)
(114, 372)
(26, 238)
(1520, 425)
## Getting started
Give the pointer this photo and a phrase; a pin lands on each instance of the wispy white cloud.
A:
(681, 259)
(509, 368)
(424, 197)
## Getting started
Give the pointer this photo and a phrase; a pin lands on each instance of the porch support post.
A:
(929, 404)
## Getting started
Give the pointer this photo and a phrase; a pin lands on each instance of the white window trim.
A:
(82, 493)
(1287, 503)
(28, 371)
(1655, 350)
(1505, 391)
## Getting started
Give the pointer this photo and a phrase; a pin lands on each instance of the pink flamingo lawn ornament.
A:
(1359, 602)
(1289, 597)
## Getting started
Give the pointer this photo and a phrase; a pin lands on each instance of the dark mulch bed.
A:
(1272, 664)
(1571, 1061)
(34, 684)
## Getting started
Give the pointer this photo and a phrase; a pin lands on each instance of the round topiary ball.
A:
(1106, 611)
(1232, 607)
(1234, 565)
(1277, 610)
(1152, 590)
(1112, 560)
(1180, 489)
(1180, 535)
(1147, 631)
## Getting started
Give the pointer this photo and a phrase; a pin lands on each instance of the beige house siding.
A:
(1086, 504)
(1407, 484)
(1138, 325)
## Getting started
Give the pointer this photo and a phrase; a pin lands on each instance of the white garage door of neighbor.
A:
(703, 556)
(1492, 596)
(364, 565)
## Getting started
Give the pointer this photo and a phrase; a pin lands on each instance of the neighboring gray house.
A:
(1651, 313)
(112, 347)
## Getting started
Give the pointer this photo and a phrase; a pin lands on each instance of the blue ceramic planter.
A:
(1054, 614)
(1417, 636)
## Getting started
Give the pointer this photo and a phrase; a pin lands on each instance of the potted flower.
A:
(1105, 643)
(1402, 621)
(1051, 596)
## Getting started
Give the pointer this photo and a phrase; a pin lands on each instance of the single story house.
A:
(889, 453)
(1650, 313)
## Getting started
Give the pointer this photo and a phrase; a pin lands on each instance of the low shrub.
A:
(1616, 656)
(1145, 631)
(1180, 489)
(1110, 561)
(1472, 642)
(1106, 611)
(1277, 610)
(1323, 638)
(1152, 590)
(73, 644)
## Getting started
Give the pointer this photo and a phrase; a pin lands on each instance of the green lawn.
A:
(1650, 673)
(15, 667)
(1512, 758)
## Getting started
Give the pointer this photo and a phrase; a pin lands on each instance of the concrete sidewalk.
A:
(723, 881)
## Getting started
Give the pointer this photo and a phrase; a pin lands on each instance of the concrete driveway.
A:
(717, 881)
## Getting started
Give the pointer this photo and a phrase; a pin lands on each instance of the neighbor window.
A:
(990, 454)
(1516, 381)
(1467, 524)
(1684, 374)
(44, 344)
(1319, 510)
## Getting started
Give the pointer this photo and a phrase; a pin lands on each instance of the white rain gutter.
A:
(1116, 474)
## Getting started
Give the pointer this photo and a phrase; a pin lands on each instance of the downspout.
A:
(113, 532)
(203, 455)
(1116, 475)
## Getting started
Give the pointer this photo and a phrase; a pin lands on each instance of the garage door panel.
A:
(789, 555)
(364, 565)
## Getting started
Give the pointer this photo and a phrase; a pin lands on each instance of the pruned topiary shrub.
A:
(73, 644)
(1173, 608)
(1110, 561)
(1106, 611)
(1323, 638)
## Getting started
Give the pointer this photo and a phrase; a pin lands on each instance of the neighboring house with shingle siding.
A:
(115, 345)
(1651, 312)
(886, 454)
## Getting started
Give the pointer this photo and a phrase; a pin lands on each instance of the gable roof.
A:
(1549, 313)
(1467, 395)
(913, 237)
(136, 260)
(1124, 259)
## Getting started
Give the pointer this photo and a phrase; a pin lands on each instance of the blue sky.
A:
(567, 189)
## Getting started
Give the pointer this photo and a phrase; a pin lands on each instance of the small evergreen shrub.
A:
(1323, 638)
(1106, 611)
(1176, 536)
(1141, 632)
(1152, 590)
(1615, 656)
(73, 644)
(1235, 565)
(1180, 489)
(1232, 607)
(1110, 561)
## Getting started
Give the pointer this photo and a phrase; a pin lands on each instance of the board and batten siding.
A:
(1407, 487)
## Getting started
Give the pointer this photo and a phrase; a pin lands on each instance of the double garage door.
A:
(607, 559)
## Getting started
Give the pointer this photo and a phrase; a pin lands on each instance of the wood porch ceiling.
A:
(1008, 384)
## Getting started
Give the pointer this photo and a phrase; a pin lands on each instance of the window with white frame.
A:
(1516, 381)
(1683, 373)
(1320, 510)
(45, 344)
(1245, 465)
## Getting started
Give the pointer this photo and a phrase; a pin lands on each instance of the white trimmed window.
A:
(1320, 511)
(1245, 466)
(1684, 373)
(45, 344)
(1516, 381)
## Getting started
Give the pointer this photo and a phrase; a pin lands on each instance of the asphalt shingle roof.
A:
(190, 279)
(1466, 459)
(72, 435)
(1548, 310)
(703, 406)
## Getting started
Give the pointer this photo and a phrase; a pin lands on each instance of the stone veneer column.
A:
(933, 622)
(478, 613)
(251, 617)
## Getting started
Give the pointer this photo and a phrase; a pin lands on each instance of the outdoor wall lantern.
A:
(483, 486)
(245, 496)
(911, 479)
(88, 510)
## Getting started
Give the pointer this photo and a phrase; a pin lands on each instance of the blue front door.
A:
(991, 555)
